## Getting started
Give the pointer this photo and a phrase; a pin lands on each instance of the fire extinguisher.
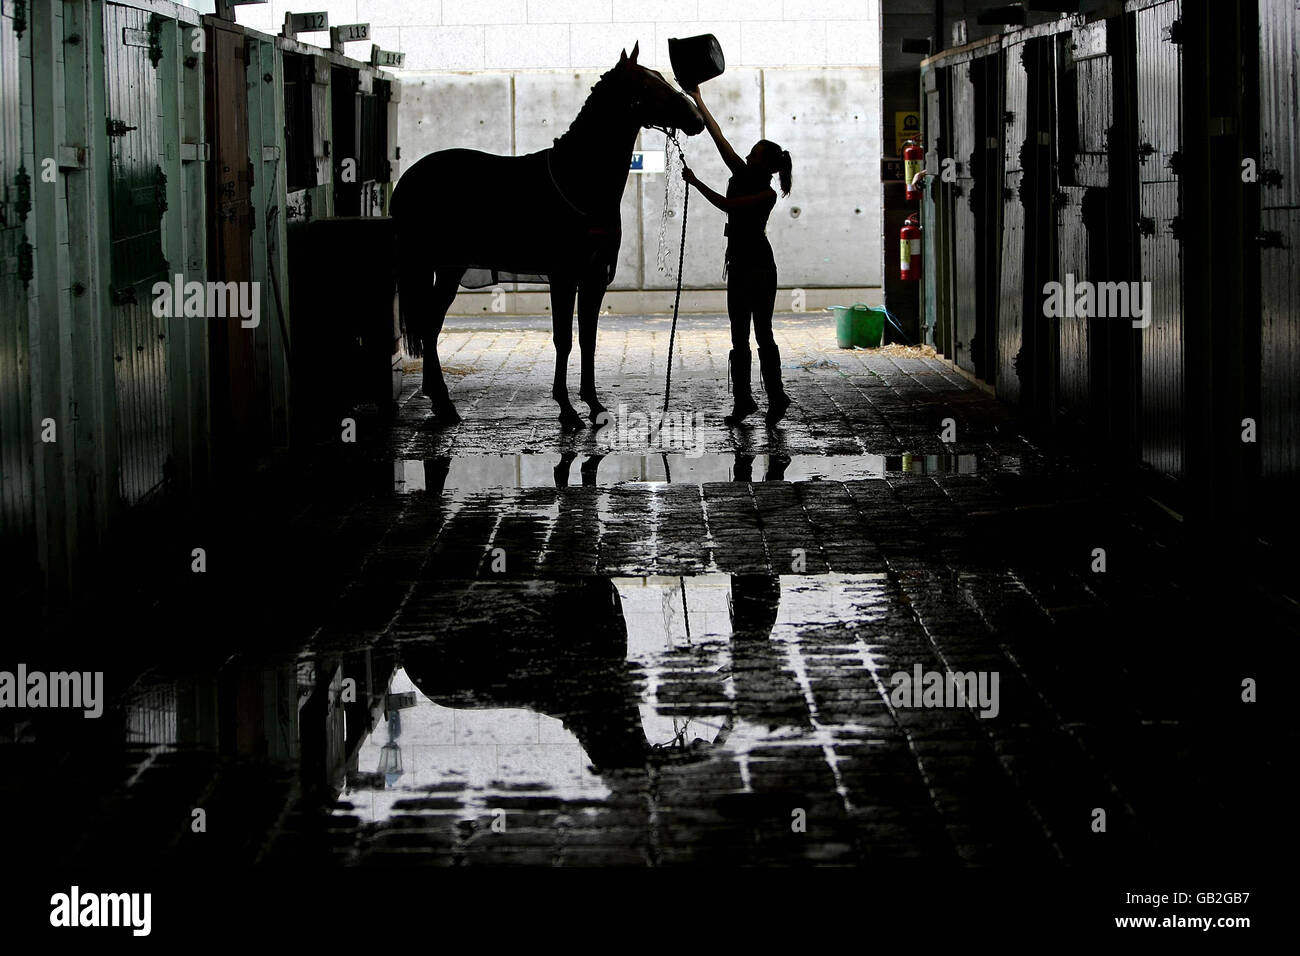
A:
(909, 241)
(913, 160)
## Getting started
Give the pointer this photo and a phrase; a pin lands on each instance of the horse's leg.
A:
(590, 295)
(561, 469)
(435, 385)
(590, 465)
(562, 294)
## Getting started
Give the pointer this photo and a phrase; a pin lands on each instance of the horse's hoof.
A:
(446, 416)
(569, 419)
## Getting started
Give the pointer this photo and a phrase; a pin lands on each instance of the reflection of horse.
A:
(559, 648)
(473, 218)
(555, 648)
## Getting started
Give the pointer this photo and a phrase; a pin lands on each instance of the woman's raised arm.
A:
(729, 155)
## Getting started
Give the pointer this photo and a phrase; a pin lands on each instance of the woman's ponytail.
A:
(783, 170)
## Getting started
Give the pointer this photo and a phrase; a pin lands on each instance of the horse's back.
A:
(496, 216)
(452, 181)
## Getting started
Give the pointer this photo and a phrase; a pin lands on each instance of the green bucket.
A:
(858, 325)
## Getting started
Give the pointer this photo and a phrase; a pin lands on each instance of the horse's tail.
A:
(413, 283)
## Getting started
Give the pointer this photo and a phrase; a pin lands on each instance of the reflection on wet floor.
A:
(562, 690)
(553, 693)
(626, 674)
(472, 473)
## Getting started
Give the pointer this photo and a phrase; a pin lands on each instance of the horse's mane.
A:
(586, 124)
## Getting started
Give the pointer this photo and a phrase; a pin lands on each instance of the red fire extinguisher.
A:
(909, 240)
(913, 161)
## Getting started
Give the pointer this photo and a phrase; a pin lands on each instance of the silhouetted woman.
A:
(750, 267)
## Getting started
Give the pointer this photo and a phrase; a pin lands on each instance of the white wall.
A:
(487, 74)
(472, 35)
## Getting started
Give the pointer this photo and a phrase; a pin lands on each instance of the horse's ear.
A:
(623, 57)
(636, 49)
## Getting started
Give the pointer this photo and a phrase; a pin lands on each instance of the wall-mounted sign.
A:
(380, 57)
(648, 161)
(352, 32)
(308, 22)
(906, 126)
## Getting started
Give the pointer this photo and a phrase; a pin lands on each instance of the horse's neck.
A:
(592, 158)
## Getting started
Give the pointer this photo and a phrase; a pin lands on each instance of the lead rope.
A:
(677, 299)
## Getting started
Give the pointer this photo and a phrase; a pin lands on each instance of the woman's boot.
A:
(742, 403)
(769, 366)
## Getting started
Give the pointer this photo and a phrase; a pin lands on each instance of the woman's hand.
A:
(688, 174)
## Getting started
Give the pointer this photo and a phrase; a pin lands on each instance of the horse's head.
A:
(654, 100)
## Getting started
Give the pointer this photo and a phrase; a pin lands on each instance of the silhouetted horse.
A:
(550, 215)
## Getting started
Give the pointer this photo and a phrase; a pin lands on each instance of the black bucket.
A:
(695, 59)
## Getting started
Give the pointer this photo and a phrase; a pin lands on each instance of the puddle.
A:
(657, 674)
(565, 690)
(474, 473)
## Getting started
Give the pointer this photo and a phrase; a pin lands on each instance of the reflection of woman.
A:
(751, 269)
(765, 690)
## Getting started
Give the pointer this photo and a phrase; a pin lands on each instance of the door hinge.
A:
(25, 266)
(20, 17)
(1176, 163)
(160, 190)
(122, 295)
(1269, 239)
(22, 193)
(117, 127)
(1176, 32)
(155, 39)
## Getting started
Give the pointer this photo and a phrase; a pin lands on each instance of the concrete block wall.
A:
(508, 76)
(475, 35)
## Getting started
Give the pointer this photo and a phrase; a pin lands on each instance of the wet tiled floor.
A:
(507, 644)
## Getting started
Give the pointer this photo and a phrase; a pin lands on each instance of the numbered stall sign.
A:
(380, 57)
(296, 23)
(352, 32)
